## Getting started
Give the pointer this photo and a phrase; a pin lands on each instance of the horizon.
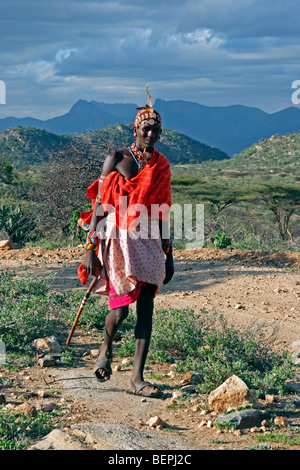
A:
(132, 103)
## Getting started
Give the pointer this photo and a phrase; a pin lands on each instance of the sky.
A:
(213, 52)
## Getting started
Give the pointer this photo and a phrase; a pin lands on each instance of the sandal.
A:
(140, 390)
(105, 365)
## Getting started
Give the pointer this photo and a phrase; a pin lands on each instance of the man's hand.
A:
(169, 268)
(91, 263)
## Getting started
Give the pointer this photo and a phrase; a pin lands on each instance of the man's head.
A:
(147, 125)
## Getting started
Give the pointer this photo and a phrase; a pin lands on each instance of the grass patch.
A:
(291, 438)
(216, 350)
(17, 430)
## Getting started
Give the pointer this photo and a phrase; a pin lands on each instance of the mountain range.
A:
(229, 128)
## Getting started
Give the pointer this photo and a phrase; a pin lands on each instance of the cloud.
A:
(53, 53)
(42, 70)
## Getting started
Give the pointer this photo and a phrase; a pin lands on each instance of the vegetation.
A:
(196, 342)
(204, 343)
(210, 345)
(27, 147)
(252, 199)
(17, 429)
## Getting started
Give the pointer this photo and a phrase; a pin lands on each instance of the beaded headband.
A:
(147, 113)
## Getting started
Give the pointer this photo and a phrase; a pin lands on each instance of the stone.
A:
(27, 409)
(233, 392)
(280, 421)
(296, 345)
(94, 352)
(270, 398)
(57, 440)
(47, 362)
(293, 384)
(47, 344)
(295, 358)
(108, 436)
(155, 421)
(48, 407)
(197, 378)
(243, 419)
(7, 245)
(189, 388)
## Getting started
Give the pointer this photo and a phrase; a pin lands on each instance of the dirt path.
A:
(253, 291)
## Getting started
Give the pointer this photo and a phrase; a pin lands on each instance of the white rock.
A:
(47, 344)
(231, 393)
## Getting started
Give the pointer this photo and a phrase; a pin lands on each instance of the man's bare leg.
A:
(143, 330)
(113, 321)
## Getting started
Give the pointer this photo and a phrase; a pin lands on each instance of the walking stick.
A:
(84, 301)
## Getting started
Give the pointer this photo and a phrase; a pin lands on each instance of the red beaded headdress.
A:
(147, 113)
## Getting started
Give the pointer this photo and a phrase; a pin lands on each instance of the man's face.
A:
(147, 135)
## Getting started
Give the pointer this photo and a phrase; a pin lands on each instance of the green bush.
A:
(28, 310)
(221, 241)
(216, 350)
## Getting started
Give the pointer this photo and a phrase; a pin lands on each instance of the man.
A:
(130, 257)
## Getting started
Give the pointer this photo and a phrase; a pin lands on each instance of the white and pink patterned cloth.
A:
(130, 259)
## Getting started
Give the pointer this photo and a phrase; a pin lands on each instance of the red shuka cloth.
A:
(152, 186)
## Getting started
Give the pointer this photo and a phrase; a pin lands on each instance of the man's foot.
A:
(145, 389)
(103, 370)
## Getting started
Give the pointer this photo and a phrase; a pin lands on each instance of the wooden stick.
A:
(82, 305)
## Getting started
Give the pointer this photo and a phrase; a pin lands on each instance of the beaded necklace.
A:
(140, 158)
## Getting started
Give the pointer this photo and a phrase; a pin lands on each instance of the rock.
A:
(7, 245)
(27, 409)
(57, 440)
(233, 392)
(243, 419)
(48, 407)
(202, 423)
(270, 399)
(189, 388)
(293, 384)
(43, 394)
(94, 352)
(47, 362)
(197, 378)
(296, 357)
(238, 306)
(255, 429)
(280, 421)
(47, 344)
(156, 421)
(296, 345)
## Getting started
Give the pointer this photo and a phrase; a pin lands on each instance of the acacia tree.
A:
(64, 178)
(282, 199)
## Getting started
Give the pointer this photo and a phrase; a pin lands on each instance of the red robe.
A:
(151, 186)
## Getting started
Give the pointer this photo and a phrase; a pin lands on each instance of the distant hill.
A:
(29, 146)
(22, 146)
(276, 158)
(229, 128)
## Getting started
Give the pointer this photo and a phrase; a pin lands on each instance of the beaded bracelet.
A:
(92, 241)
(167, 246)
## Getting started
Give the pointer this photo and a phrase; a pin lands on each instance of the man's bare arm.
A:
(91, 263)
